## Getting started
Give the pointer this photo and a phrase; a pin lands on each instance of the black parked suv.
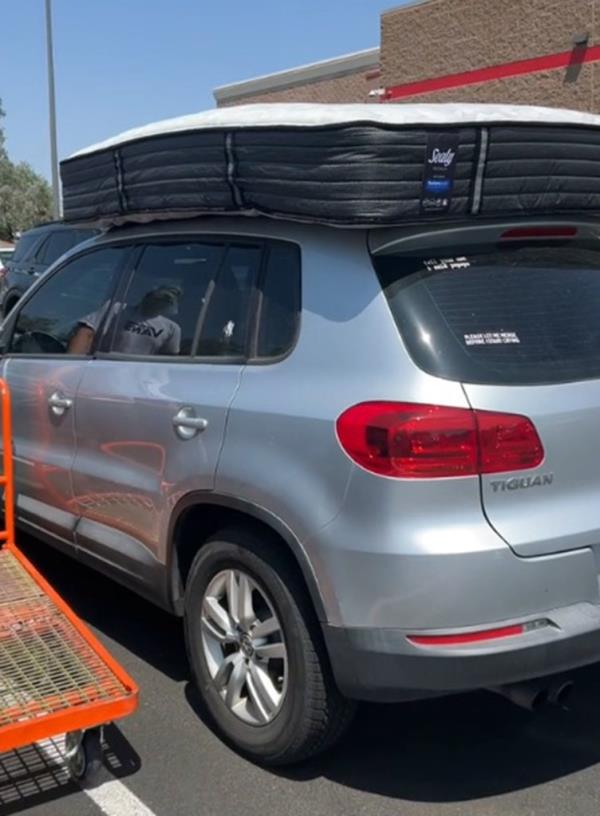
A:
(36, 250)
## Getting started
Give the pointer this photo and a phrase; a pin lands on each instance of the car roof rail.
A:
(55, 222)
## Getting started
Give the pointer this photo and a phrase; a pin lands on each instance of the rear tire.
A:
(305, 713)
(10, 306)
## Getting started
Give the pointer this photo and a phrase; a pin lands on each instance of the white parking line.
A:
(115, 799)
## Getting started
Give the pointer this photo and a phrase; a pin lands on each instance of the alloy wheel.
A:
(244, 647)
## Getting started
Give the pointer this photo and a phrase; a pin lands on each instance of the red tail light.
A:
(467, 637)
(522, 233)
(411, 441)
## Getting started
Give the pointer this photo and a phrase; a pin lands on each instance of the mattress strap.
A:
(480, 170)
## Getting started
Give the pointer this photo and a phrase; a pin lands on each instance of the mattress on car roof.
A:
(343, 165)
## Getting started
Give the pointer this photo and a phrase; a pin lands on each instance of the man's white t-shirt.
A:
(137, 334)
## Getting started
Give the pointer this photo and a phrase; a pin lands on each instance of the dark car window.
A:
(225, 328)
(25, 245)
(280, 301)
(59, 242)
(49, 319)
(160, 310)
(499, 314)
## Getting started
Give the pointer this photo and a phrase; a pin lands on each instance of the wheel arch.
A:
(212, 512)
(12, 297)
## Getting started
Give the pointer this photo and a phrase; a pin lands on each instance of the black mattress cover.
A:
(342, 165)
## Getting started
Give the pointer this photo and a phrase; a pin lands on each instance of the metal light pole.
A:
(52, 112)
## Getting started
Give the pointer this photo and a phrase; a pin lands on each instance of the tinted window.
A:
(50, 319)
(59, 242)
(161, 308)
(500, 314)
(25, 244)
(280, 301)
(226, 324)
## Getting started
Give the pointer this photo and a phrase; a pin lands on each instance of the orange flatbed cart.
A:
(55, 676)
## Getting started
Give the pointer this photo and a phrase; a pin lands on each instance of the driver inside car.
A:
(144, 329)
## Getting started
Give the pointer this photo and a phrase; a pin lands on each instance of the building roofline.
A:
(409, 4)
(313, 72)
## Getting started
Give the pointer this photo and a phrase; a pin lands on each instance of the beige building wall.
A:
(440, 37)
(428, 39)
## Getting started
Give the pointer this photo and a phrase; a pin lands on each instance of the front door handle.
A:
(59, 403)
(187, 424)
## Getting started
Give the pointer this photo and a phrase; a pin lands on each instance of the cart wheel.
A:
(83, 752)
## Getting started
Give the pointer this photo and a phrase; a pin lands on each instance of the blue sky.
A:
(122, 63)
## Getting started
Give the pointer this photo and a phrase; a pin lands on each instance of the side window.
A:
(50, 321)
(280, 301)
(163, 302)
(25, 245)
(225, 327)
(57, 244)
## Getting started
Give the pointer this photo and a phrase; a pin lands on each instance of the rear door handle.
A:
(59, 403)
(187, 424)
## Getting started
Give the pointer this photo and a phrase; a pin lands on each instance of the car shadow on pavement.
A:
(462, 748)
(447, 750)
(456, 749)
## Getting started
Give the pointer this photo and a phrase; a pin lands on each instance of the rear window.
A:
(61, 241)
(280, 305)
(499, 314)
(24, 245)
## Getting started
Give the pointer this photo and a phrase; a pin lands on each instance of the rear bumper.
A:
(383, 665)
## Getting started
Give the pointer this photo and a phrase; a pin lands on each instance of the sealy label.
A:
(438, 175)
(443, 157)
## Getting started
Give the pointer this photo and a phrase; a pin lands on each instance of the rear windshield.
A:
(61, 241)
(499, 314)
(24, 245)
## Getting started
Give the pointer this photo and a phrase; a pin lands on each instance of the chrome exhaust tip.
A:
(560, 693)
(530, 696)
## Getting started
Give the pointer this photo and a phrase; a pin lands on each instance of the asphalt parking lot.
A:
(475, 755)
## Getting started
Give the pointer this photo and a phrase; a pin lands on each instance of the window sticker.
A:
(492, 339)
(443, 264)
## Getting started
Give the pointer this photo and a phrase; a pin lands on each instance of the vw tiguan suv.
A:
(360, 465)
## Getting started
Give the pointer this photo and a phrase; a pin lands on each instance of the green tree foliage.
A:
(25, 196)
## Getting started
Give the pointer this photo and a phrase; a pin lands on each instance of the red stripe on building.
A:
(564, 59)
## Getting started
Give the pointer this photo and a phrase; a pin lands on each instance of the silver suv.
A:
(361, 465)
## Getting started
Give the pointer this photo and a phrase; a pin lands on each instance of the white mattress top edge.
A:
(321, 115)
